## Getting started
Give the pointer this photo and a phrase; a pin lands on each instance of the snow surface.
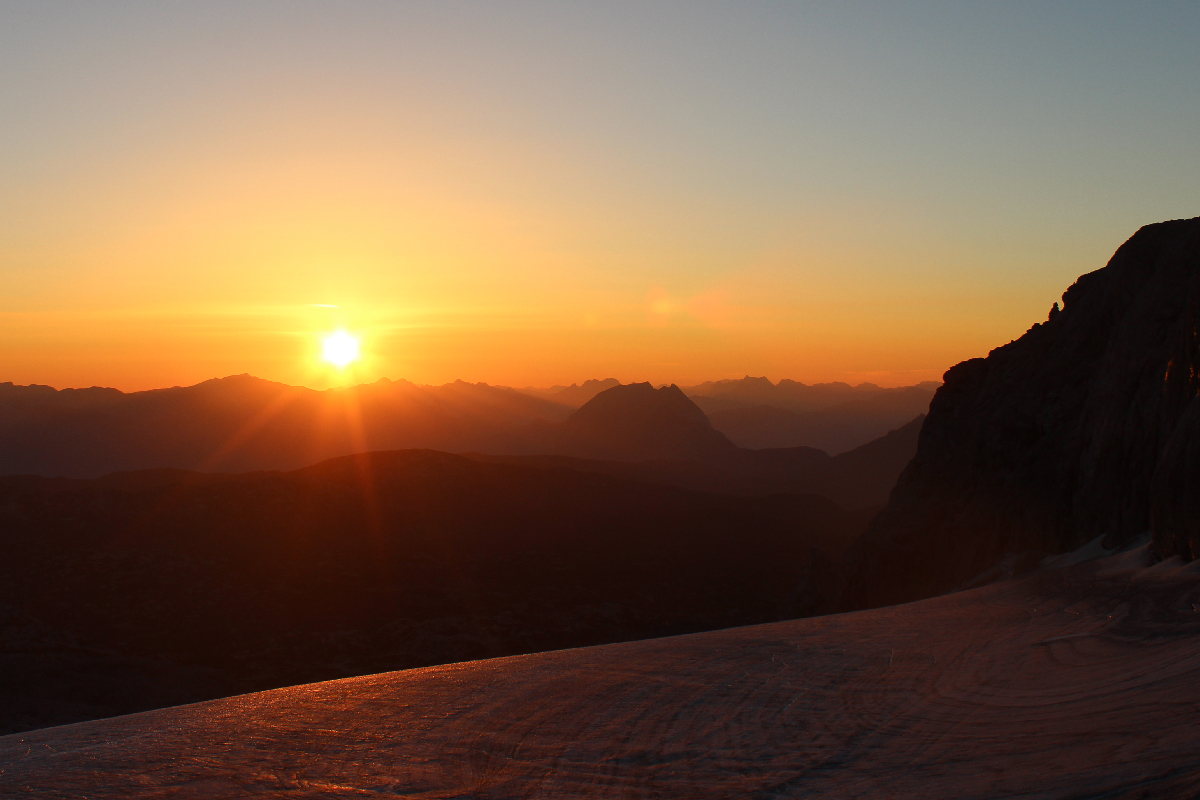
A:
(1074, 683)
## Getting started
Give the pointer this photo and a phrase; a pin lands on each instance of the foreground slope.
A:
(1069, 684)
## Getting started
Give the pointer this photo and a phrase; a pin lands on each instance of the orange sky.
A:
(542, 195)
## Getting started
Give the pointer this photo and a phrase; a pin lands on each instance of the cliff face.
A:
(1088, 424)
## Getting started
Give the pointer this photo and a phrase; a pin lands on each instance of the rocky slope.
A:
(1087, 425)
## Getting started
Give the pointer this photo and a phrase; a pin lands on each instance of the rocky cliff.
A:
(1087, 425)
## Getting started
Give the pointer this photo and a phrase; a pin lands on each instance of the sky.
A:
(542, 193)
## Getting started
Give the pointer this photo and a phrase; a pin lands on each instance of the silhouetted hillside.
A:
(242, 423)
(162, 587)
(1086, 426)
(859, 480)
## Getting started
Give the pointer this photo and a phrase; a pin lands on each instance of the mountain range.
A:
(243, 423)
(1051, 502)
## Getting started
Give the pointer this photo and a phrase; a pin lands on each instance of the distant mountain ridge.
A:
(574, 395)
(244, 423)
(835, 429)
(835, 417)
(789, 394)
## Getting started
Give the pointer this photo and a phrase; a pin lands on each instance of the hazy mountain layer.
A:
(574, 395)
(162, 587)
(834, 429)
(1086, 426)
(242, 423)
(791, 395)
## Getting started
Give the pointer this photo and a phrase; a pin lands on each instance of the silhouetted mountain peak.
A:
(637, 403)
(638, 419)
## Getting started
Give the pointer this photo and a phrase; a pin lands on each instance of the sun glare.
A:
(340, 349)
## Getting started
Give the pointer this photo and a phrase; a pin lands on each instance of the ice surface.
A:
(1074, 683)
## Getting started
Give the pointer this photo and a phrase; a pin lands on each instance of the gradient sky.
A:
(542, 193)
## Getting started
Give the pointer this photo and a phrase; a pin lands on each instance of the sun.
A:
(340, 349)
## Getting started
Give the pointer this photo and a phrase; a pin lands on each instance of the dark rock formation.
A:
(1087, 425)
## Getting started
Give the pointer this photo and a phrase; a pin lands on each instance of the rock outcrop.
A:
(1087, 425)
